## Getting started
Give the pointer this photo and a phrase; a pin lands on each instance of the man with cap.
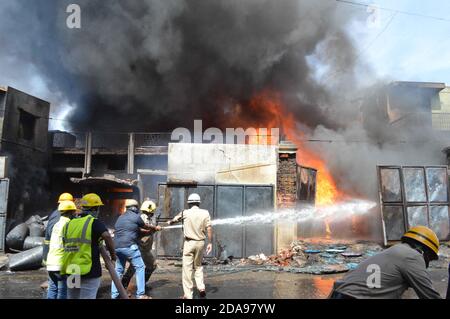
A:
(126, 238)
(82, 239)
(148, 209)
(390, 273)
(196, 226)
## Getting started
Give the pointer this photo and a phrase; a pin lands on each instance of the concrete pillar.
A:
(88, 154)
(130, 168)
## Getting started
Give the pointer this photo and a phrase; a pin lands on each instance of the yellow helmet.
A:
(65, 197)
(66, 206)
(131, 202)
(425, 236)
(148, 206)
(91, 200)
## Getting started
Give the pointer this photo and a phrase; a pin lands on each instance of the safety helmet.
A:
(65, 197)
(148, 206)
(67, 205)
(91, 200)
(425, 236)
(131, 202)
(194, 198)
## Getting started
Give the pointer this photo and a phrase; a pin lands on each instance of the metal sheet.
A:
(390, 185)
(437, 185)
(170, 243)
(415, 184)
(229, 204)
(439, 221)
(4, 191)
(258, 238)
(394, 222)
(417, 216)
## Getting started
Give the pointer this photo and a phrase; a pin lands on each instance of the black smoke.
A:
(153, 65)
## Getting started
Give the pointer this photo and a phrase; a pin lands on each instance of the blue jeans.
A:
(57, 286)
(87, 290)
(133, 255)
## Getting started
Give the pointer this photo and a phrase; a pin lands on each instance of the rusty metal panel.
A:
(414, 181)
(425, 201)
(229, 204)
(394, 222)
(439, 221)
(258, 238)
(391, 190)
(4, 191)
(437, 184)
(417, 216)
(222, 201)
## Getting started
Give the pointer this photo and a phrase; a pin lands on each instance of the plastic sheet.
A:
(27, 260)
(32, 242)
(16, 237)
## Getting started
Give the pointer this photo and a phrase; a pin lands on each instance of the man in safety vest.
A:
(81, 260)
(390, 273)
(52, 220)
(57, 286)
(148, 209)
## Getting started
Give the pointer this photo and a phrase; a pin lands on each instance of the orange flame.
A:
(269, 102)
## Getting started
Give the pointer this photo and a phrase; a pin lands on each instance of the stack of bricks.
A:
(287, 181)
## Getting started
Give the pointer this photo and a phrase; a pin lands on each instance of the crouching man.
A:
(390, 273)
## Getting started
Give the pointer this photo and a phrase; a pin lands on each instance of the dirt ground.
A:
(246, 284)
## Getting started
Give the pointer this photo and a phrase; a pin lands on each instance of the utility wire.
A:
(360, 53)
(360, 4)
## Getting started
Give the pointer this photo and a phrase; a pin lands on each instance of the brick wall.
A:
(287, 180)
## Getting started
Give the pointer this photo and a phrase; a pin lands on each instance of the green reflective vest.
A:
(77, 241)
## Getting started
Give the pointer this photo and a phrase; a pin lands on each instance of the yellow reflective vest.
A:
(77, 241)
(56, 248)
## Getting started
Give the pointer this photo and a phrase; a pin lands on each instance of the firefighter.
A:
(126, 238)
(81, 260)
(390, 273)
(57, 286)
(196, 226)
(52, 220)
(148, 209)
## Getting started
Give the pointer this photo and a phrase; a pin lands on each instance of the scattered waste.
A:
(316, 258)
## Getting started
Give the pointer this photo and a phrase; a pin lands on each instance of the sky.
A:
(405, 47)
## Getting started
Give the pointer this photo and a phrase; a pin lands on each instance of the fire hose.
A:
(112, 271)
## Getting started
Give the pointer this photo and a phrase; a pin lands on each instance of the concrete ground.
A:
(166, 283)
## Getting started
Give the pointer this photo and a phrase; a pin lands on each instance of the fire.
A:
(270, 103)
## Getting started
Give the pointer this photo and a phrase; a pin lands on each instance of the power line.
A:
(415, 14)
(360, 53)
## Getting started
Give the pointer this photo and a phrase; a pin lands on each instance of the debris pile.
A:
(316, 258)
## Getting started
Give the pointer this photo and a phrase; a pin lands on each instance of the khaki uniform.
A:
(195, 224)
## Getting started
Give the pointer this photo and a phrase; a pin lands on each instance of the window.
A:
(27, 125)
(413, 196)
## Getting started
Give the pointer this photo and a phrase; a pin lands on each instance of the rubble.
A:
(316, 258)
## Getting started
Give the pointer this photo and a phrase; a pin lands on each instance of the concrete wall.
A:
(27, 158)
(223, 163)
(231, 164)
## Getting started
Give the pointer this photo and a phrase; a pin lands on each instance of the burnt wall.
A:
(287, 181)
(24, 140)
